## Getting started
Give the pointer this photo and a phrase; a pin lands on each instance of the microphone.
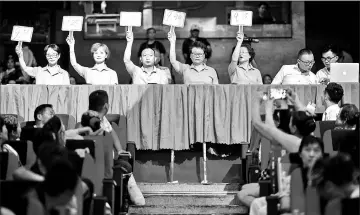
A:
(251, 40)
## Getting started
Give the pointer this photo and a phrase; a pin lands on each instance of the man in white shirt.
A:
(148, 73)
(330, 54)
(299, 73)
(333, 94)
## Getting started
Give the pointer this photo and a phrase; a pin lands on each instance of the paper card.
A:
(72, 23)
(241, 18)
(22, 33)
(130, 19)
(174, 18)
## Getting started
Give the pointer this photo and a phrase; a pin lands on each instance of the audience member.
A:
(148, 73)
(56, 192)
(330, 54)
(267, 79)
(12, 74)
(310, 150)
(263, 15)
(52, 74)
(13, 127)
(154, 44)
(299, 73)
(348, 117)
(198, 72)
(189, 43)
(301, 123)
(333, 94)
(100, 74)
(240, 69)
(4, 138)
(42, 114)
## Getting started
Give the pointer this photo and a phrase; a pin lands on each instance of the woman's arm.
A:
(78, 68)
(29, 71)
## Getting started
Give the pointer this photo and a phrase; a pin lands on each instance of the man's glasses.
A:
(327, 58)
(307, 63)
(51, 55)
(198, 54)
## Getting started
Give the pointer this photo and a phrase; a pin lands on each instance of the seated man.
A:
(148, 73)
(333, 94)
(299, 73)
(42, 114)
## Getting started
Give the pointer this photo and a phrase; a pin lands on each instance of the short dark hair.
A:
(309, 140)
(200, 45)
(250, 50)
(97, 100)
(49, 151)
(350, 114)
(304, 123)
(340, 169)
(53, 47)
(304, 52)
(2, 123)
(335, 92)
(333, 48)
(60, 177)
(40, 110)
(90, 121)
(149, 29)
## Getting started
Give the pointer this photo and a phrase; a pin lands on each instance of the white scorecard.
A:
(174, 18)
(130, 19)
(72, 23)
(22, 33)
(344, 72)
(241, 18)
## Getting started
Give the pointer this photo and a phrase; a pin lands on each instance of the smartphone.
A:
(277, 94)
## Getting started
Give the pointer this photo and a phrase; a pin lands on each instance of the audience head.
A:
(42, 114)
(333, 94)
(341, 172)
(305, 60)
(60, 182)
(72, 80)
(247, 53)
(91, 119)
(52, 53)
(49, 152)
(263, 7)
(151, 33)
(3, 131)
(99, 102)
(10, 64)
(330, 54)
(147, 57)
(301, 123)
(348, 116)
(267, 79)
(311, 148)
(194, 31)
(13, 126)
(157, 56)
(198, 52)
(100, 52)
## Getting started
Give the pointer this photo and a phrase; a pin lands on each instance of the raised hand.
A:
(240, 37)
(129, 36)
(18, 49)
(172, 37)
(70, 40)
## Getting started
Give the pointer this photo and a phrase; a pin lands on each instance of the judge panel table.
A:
(165, 116)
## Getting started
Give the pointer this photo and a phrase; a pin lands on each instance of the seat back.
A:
(328, 145)
(25, 151)
(322, 126)
(29, 133)
(113, 118)
(68, 120)
(9, 163)
(19, 118)
(297, 192)
(82, 144)
(312, 201)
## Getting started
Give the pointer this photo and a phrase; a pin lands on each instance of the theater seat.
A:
(322, 126)
(68, 121)
(25, 150)
(20, 118)
(9, 163)
(27, 124)
(113, 118)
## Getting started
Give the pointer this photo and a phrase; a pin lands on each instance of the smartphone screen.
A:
(277, 93)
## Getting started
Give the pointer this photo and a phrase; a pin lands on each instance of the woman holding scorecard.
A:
(100, 74)
(52, 74)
